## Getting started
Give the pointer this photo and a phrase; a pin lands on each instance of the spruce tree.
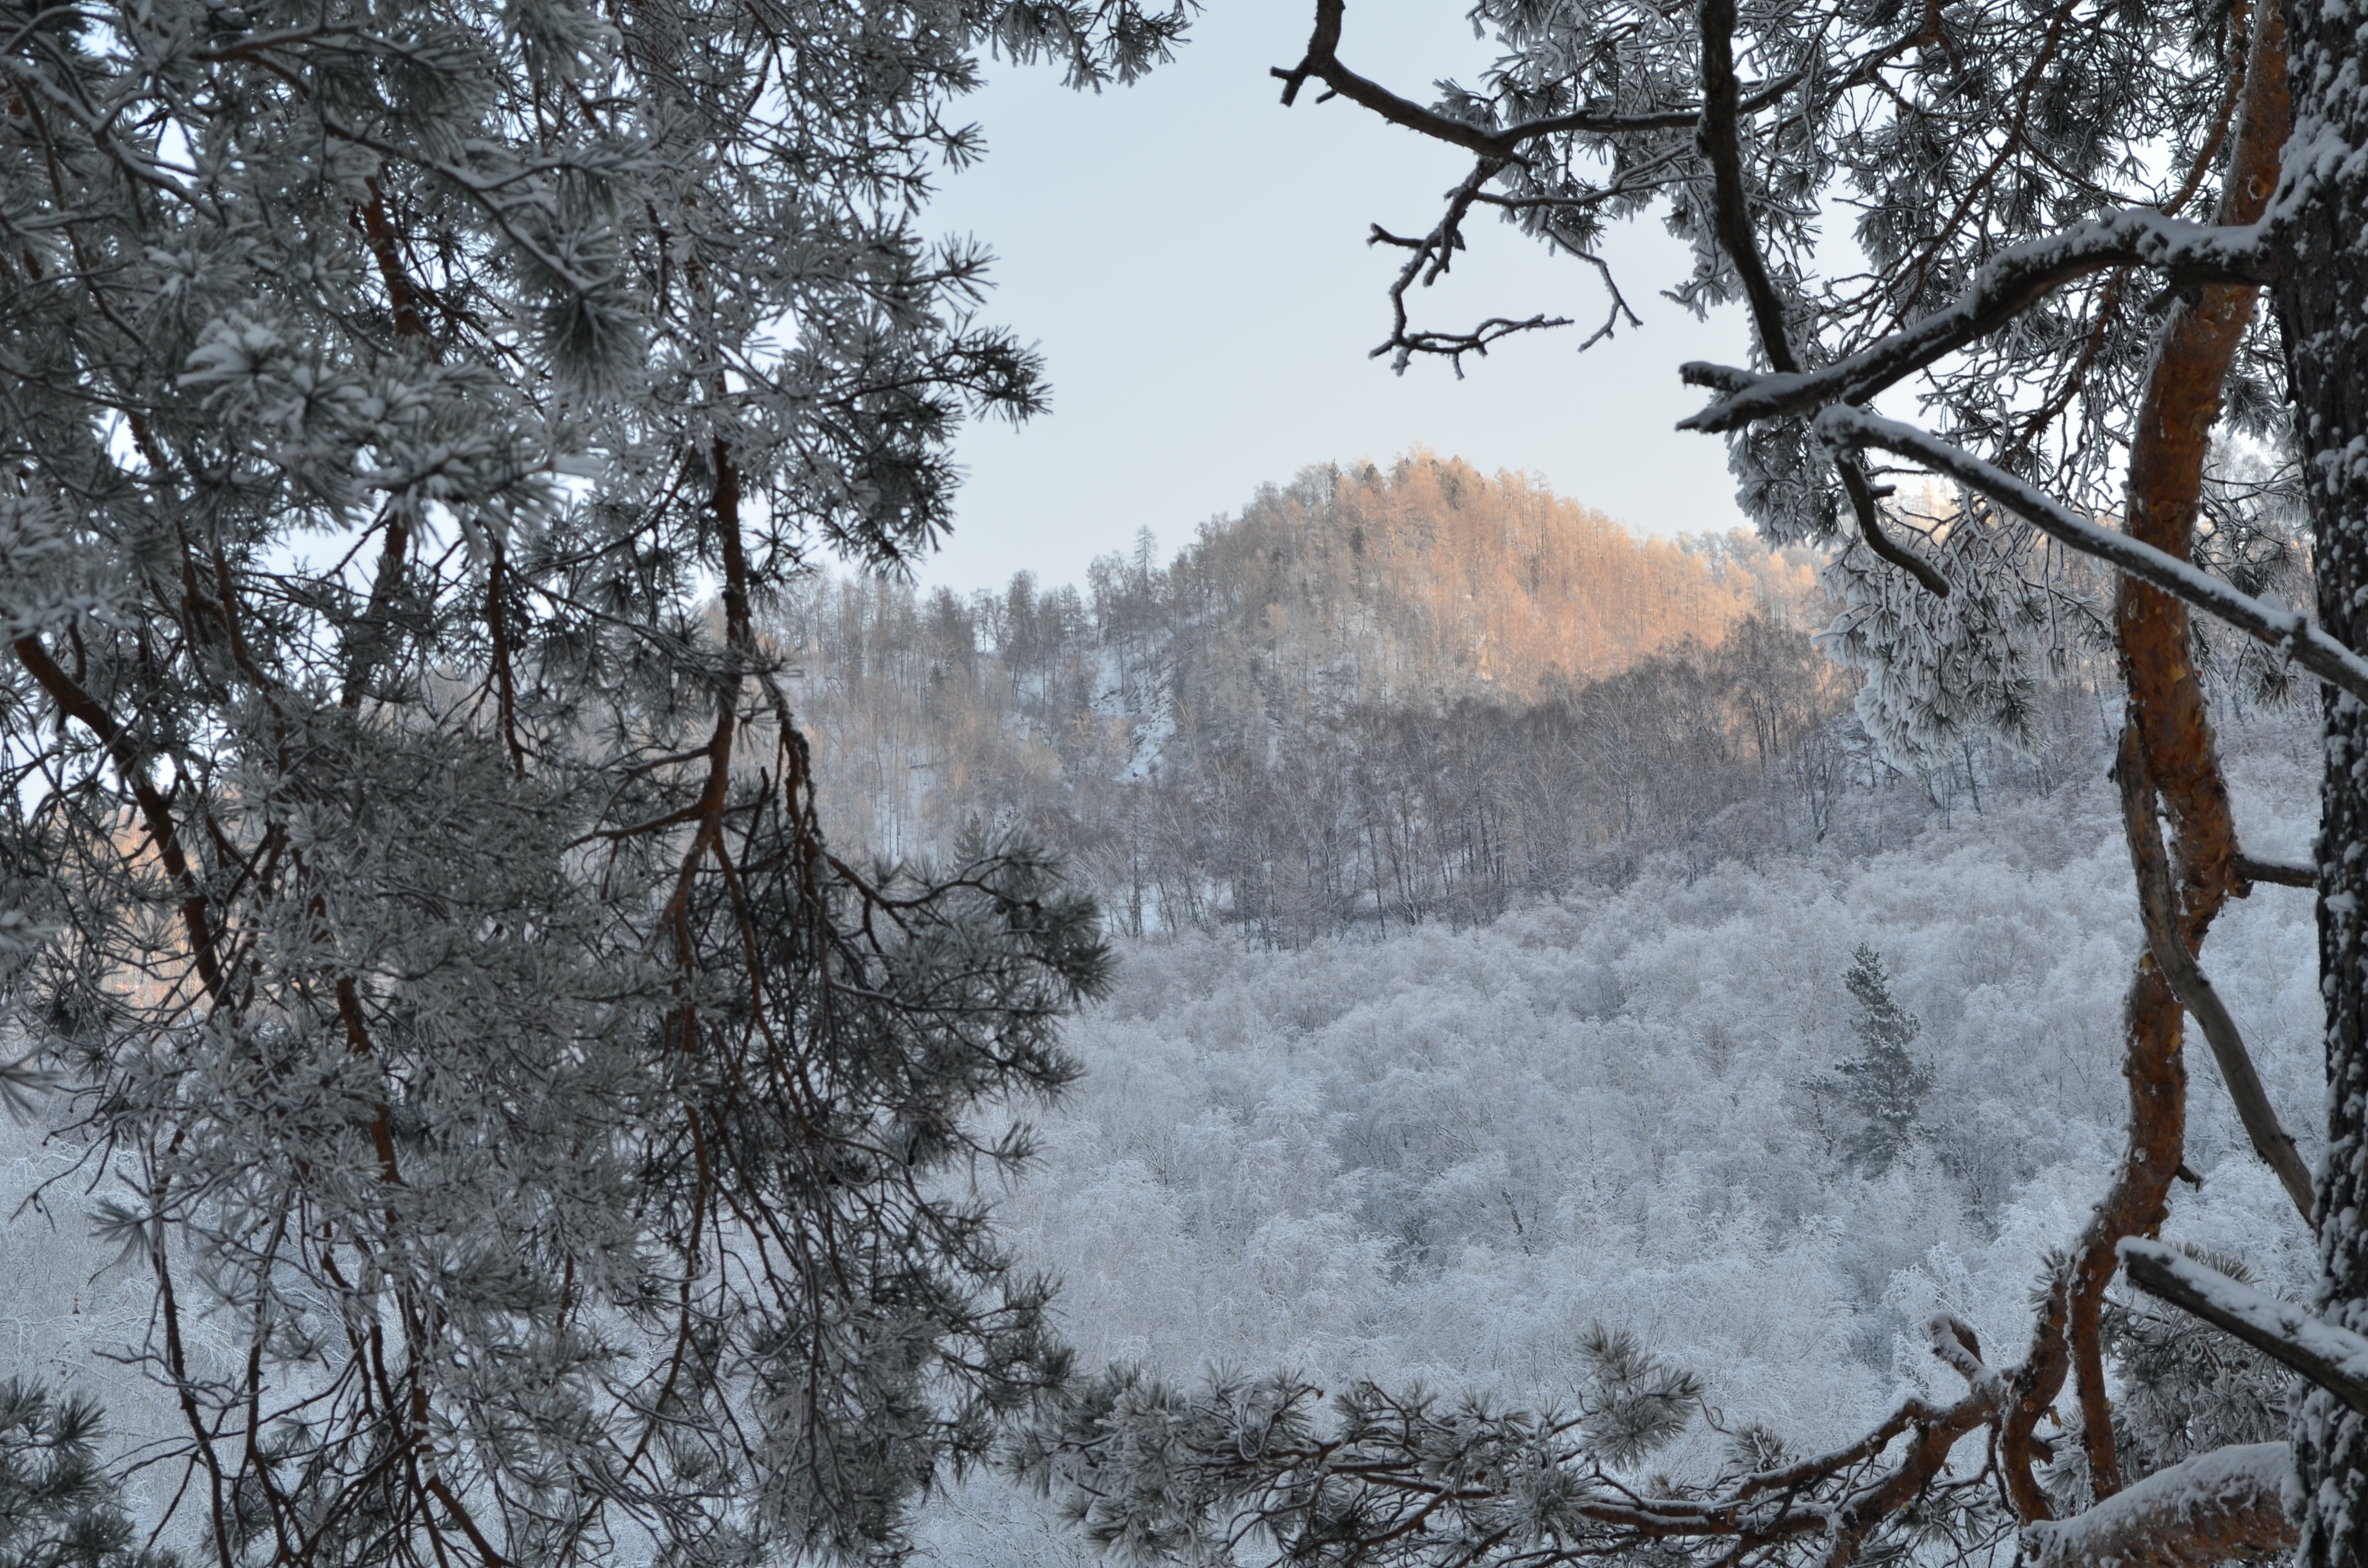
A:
(1882, 1086)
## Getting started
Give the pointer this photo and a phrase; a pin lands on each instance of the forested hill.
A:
(1372, 695)
(1422, 584)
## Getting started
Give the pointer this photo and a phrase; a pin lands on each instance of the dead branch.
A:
(2251, 870)
(2168, 948)
(1433, 255)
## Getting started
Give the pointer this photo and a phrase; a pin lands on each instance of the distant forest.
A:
(1375, 699)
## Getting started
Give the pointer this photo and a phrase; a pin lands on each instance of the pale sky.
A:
(1189, 256)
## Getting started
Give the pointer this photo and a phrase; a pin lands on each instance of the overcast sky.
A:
(1190, 258)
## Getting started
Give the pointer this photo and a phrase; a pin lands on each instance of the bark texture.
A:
(2168, 754)
(2219, 1507)
(2322, 295)
(2167, 456)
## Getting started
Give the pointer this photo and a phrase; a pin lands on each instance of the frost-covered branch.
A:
(2000, 291)
(494, 843)
(1407, 1480)
(2286, 630)
(2328, 1354)
(2217, 1507)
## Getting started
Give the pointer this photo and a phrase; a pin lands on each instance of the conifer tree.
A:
(1883, 1084)
(544, 1148)
(59, 1507)
(2063, 218)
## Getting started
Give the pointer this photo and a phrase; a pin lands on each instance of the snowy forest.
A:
(1373, 700)
(1521, 942)
(556, 1009)
(1368, 700)
(1720, 1079)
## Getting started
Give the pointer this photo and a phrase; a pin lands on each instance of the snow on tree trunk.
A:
(2323, 299)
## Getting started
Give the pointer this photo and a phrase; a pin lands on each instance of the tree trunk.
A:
(2322, 295)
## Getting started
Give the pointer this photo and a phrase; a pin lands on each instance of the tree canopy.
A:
(542, 1146)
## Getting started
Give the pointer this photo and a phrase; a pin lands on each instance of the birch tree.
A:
(542, 1146)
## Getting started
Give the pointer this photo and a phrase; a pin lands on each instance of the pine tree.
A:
(2064, 224)
(59, 1507)
(1883, 1084)
(545, 1149)
(2190, 1387)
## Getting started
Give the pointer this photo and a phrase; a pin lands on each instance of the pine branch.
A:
(2287, 631)
(2328, 1354)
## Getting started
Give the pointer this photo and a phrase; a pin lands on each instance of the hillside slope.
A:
(1372, 698)
(1441, 1159)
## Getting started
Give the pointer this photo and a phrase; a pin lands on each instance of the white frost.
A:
(2224, 1481)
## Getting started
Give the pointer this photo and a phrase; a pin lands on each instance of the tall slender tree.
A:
(1882, 1084)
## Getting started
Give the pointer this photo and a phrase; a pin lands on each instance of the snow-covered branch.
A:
(1952, 1341)
(2217, 1507)
(2275, 873)
(2328, 1354)
(2000, 291)
(1377, 1479)
(2287, 631)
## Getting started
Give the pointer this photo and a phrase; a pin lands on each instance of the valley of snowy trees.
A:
(1446, 1156)
(555, 1011)
(1449, 1143)
(1733, 1087)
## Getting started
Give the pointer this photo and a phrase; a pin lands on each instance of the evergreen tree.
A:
(2014, 173)
(1883, 1084)
(544, 1146)
(2190, 1387)
(58, 1507)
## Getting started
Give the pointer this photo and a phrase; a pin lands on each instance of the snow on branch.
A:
(2275, 873)
(1266, 1473)
(2000, 291)
(2286, 630)
(1952, 1341)
(2328, 1354)
(2215, 1507)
